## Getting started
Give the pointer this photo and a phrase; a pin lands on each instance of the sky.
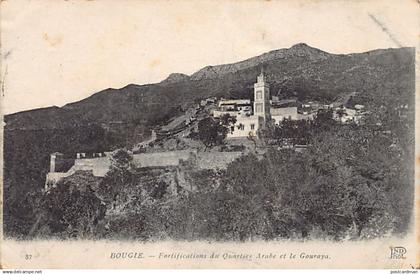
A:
(57, 52)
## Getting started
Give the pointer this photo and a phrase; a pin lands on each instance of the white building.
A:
(233, 108)
(248, 122)
(246, 126)
(359, 107)
(346, 115)
(289, 113)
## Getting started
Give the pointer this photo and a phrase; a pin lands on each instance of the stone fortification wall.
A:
(158, 159)
(100, 165)
(52, 179)
(216, 160)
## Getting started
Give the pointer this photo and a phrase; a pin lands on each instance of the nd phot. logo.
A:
(397, 252)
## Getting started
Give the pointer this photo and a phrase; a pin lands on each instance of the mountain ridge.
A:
(304, 71)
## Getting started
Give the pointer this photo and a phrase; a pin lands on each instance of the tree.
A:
(70, 211)
(354, 173)
(227, 120)
(253, 139)
(324, 120)
(341, 113)
(294, 132)
(212, 132)
(121, 159)
(118, 178)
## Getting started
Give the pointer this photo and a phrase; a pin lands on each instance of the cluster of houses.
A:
(252, 116)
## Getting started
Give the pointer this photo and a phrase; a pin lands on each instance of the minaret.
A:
(54, 159)
(52, 162)
(262, 98)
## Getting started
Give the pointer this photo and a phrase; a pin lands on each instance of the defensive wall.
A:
(100, 165)
(216, 160)
(159, 159)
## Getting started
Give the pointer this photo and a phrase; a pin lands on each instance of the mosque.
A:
(251, 118)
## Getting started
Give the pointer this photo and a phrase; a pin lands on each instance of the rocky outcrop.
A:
(299, 50)
(175, 77)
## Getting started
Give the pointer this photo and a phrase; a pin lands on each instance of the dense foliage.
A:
(68, 211)
(212, 131)
(351, 182)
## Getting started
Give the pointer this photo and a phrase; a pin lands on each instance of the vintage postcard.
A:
(209, 134)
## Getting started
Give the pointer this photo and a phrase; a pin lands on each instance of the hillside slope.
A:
(301, 71)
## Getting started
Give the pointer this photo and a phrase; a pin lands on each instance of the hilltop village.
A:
(172, 144)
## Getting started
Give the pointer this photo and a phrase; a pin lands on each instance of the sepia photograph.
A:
(217, 126)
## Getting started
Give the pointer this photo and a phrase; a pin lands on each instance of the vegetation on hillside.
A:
(352, 181)
(212, 132)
